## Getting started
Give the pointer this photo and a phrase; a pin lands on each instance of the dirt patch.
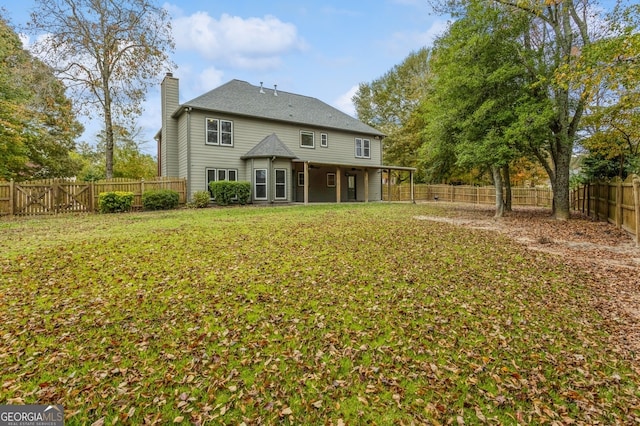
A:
(608, 255)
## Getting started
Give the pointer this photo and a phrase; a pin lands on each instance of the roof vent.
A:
(261, 89)
(275, 90)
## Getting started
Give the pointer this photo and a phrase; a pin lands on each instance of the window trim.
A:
(216, 173)
(219, 132)
(324, 140)
(265, 184)
(331, 180)
(365, 146)
(282, 184)
(300, 178)
(313, 139)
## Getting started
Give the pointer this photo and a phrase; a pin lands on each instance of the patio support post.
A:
(389, 184)
(366, 185)
(413, 199)
(306, 182)
(338, 184)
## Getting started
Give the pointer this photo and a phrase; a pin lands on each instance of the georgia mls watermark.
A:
(31, 415)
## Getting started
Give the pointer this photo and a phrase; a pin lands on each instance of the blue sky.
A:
(322, 49)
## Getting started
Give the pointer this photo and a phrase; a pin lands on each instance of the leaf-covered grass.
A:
(333, 314)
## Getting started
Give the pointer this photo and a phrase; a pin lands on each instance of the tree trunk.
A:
(507, 185)
(108, 130)
(497, 182)
(560, 183)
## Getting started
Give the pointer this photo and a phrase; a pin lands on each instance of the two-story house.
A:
(291, 148)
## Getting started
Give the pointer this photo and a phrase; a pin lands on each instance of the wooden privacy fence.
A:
(55, 196)
(535, 197)
(617, 202)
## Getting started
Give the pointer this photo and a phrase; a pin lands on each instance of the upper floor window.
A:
(219, 132)
(307, 139)
(363, 148)
(324, 140)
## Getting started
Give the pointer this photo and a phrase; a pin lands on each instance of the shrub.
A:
(225, 191)
(160, 199)
(243, 192)
(201, 199)
(115, 202)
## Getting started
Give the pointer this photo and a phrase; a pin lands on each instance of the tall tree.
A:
(107, 51)
(37, 125)
(390, 103)
(559, 34)
(559, 31)
(130, 160)
(611, 67)
(477, 89)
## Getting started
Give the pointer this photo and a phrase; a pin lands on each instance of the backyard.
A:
(323, 314)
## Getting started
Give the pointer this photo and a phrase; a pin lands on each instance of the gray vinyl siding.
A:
(248, 132)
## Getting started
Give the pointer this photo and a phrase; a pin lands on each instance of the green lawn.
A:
(332, 314)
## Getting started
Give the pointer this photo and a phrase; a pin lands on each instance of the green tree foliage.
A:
(558, 32)
(129, 159)
(611, 67)
(109, 52)
(391, 103)
(37, 123)
(557, 48)
(478, 90)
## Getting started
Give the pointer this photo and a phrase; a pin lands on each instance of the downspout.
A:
(188, 153)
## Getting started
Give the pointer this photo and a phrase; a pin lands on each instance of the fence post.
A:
(141, 191)
(11, 197)
(636, 208)
(619, 204)
(91, 199)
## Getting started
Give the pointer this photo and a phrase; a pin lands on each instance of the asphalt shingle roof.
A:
(241, 98)
(271, 146)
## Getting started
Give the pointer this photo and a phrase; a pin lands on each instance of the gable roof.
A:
(241, 98)
(271, 146)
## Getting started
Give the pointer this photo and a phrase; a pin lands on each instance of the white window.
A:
(363, 148)
(300, 178)
(324, 140)
(331, 180)
(307, 139)
(214, 175)
(281, 184)
(260, 184)
(219, 132)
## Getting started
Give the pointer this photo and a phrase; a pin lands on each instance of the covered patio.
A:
(348, 172)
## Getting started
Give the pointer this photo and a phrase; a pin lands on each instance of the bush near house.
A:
(115, 202)
(201, 199)
(225, 191)
(160, 199)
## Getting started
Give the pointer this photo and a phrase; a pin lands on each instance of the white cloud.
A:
(344, 102)
(402, 42)
(209, 79)
(251, 43)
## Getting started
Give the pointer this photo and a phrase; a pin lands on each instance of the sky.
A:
(323, 49)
